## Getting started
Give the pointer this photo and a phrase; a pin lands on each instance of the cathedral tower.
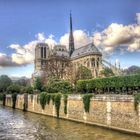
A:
(71, 38)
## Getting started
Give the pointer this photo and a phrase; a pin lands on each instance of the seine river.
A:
(18, 125)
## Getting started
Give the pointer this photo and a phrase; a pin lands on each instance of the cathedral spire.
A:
(71, 38)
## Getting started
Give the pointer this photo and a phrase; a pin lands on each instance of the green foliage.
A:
(13, 89)
(107, 72)
(48, 98)
(3, 98)
(55, 86)
(43, 100)
(136, 100)
(53, 98)
(86, 101)
(111, 84)
(29, 90)
(5, 82)
(83, 73)
(57, 102)
(38, 84)
(14, 98)
(65, 96)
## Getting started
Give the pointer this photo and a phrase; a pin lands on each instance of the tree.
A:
(29, 90)
(107, 72)
(5, 81)
(83, 73)
(56, 67)
(55, 86)
(13, 89)
(38, 84)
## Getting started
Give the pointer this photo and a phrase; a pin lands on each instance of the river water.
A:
(18, 125)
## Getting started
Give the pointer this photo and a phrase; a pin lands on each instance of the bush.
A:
(111, 84)
(13, 89)
(29, 90)
(5, 82)
(56, 86)
(38, 84)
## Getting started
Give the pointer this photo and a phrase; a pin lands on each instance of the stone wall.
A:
(116, 112)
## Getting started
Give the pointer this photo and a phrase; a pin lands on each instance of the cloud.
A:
(80, 38)
(114, 37)
(119, 36)
(24, 55)
(6, 61)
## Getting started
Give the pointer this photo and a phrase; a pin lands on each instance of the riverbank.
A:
(115, 112)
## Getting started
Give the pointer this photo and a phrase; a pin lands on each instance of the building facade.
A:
(60, 61)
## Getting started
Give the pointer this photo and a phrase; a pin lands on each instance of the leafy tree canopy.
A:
(5, 81)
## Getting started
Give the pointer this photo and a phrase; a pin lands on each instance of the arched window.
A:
(93, 62)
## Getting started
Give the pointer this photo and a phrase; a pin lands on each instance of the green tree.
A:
(5, 82)
(107, 72)
(13, 89)
(83, 73)
(55, 86)
(38, 84)
(29, 89)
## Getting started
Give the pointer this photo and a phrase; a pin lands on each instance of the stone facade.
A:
(111, 112)
(55, 61)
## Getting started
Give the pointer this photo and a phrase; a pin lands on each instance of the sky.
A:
(113, 26)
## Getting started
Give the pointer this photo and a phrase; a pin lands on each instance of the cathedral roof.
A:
(85, 50)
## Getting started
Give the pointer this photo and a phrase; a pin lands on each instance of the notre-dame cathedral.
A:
(62, 63)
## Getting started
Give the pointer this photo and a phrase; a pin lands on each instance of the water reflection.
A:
(18, 125)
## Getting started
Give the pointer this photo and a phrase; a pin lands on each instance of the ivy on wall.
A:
(43, 99)
(136, 100)
(65, 96)
(86, 101)
(14, 98)
(57, 102)
(53, 98)
(48, 98)
(4, 99)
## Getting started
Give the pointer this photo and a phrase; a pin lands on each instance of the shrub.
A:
(111, 84)
(5, 82)
(56, 86)
(38, 84)
(29, 90)
(13, 89)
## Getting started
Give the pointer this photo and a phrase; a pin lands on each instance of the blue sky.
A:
(22, 20)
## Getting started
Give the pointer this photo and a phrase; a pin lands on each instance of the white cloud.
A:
(115, 36)
(40, 36)
(80, 38)
(6, 61)
(119, 36)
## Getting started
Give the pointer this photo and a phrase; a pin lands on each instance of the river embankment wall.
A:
(113, 112)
